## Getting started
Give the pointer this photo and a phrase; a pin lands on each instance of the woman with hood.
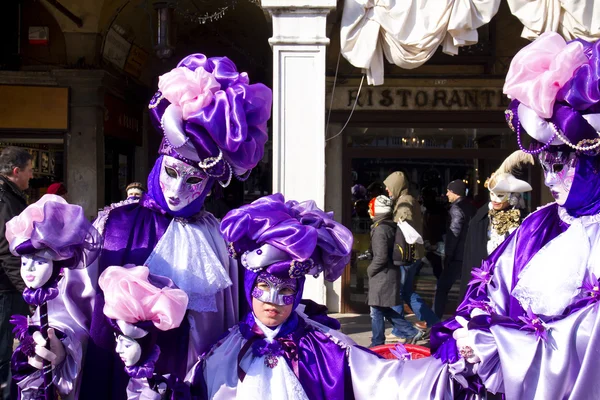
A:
(406, 210)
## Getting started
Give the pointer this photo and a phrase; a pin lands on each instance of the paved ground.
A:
(358, 326)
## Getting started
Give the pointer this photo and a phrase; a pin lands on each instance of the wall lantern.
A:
(164, 29)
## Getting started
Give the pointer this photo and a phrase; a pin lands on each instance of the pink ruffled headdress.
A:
(555, 92)
(131, 299)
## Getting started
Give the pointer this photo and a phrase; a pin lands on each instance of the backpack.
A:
(404, 253)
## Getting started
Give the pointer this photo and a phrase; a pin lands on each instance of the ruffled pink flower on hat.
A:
(540, 69)
(130, 297)
(190, 90)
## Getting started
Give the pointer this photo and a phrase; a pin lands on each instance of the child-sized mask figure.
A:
(559, 173)
(181, 183)
(273, 299)
(129, 350)
(35, 270)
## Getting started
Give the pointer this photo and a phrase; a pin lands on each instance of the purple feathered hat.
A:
(287, 240)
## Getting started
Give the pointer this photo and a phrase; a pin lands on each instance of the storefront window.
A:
(430, 158)
(430, 138)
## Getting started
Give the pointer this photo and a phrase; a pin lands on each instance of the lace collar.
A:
(585, 219)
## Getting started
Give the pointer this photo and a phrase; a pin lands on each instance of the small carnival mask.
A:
(559, 173)
(499, 197)
(128, 349)
(271, 289)
(180, 183)
(36, 270)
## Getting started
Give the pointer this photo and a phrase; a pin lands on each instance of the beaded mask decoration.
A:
(271, 289)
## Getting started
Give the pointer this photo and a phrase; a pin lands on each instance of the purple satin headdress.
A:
(212, 117)
(54, 229)
(555, 92)
(287, 239)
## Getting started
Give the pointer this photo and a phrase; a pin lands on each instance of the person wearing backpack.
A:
(406, 211)
(385, 278)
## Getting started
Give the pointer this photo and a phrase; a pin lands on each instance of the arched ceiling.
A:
(241, 34)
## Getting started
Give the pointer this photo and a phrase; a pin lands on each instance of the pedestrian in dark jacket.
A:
(385, 278)
(460, 213)
(15, 173)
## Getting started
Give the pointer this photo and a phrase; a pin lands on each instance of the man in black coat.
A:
(384, 296)
(15, 173)
(460, 213)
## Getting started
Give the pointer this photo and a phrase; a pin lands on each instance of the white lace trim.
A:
(586, 220)
(185, 255)
(551, 280)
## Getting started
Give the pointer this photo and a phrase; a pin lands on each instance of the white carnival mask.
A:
(559, 173)
(499, 197)
(128, 349)
(35, 270)
(180, 183)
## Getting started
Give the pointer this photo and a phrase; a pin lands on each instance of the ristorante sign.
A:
(406, 98)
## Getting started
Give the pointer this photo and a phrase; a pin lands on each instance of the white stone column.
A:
(299, 42)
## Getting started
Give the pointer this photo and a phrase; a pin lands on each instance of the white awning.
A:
(408, 32)
(570, 18)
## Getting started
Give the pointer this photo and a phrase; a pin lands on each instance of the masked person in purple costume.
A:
(50, 236)
(528, 327)
(213, 123)
(284, 348)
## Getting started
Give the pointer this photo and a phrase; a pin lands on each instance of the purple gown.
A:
(131, 231)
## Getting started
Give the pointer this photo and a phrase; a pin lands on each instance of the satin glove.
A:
(56, 354)
(149, 394)
(464, 343)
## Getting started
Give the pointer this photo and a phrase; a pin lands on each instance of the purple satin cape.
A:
(322, 365)
(131, 233)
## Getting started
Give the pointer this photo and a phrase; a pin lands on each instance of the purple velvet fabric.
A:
(584, 196)
(236, 119)
(131, 233)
